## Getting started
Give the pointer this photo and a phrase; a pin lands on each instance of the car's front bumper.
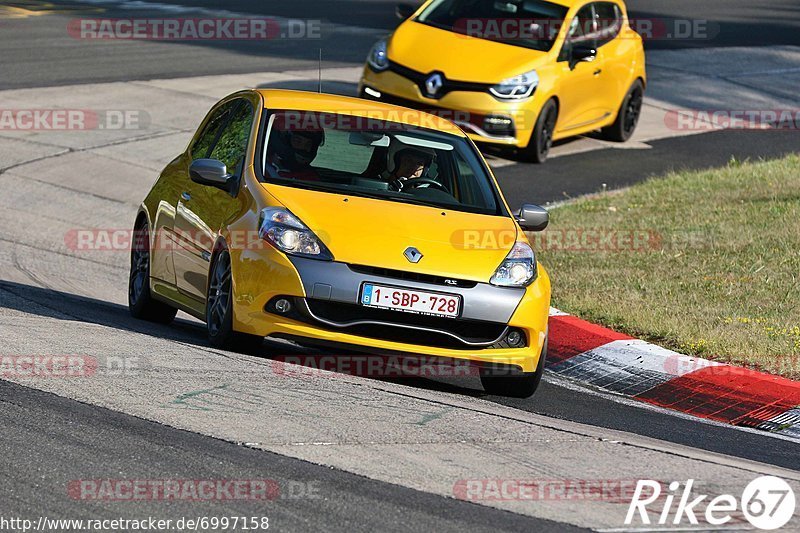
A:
(325, 309)
(476, 112)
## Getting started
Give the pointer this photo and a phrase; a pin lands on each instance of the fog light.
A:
(499, 125)
(515, 338)
(283, 306)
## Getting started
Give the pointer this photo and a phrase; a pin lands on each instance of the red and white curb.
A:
(617, 363)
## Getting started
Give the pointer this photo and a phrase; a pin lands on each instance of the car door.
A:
(203, 210)
(614, 55)
(580, 94)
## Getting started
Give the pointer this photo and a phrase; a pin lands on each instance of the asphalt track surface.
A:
(106, 443)
(49, 440)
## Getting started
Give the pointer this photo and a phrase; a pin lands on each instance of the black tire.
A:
(628, 115)
(140, 301)
(219, 309)
(514, 384)
(542, 138)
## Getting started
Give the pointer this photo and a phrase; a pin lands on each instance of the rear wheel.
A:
(628, 115)
(514, 384)
(542, 138)
(219, 310)
(140, 300)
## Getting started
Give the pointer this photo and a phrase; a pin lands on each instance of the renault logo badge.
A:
(434, 84)
(412, 254)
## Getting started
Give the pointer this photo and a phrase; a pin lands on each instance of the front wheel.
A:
(219, 310)
(542, 138)
(514, 384)
(140, 300)
(628, 115)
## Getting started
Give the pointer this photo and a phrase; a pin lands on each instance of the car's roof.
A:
(567, 3)
(346, 105)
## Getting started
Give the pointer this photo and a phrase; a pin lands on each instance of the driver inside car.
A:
(291, 153)
(408, 164)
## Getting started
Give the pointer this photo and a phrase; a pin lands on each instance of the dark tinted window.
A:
(231, 147)
(609, 21)
(528, 23)
(583, 29)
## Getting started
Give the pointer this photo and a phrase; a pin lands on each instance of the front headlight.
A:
(288, 234)
(377, 58)
(516, 88)
(518, 269)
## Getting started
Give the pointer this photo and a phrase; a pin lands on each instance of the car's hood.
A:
(460, 57)
(370, 232)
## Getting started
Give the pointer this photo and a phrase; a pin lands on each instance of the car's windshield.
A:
(376, 158)
(531, 24)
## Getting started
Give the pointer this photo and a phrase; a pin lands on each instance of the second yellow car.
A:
(515, 73)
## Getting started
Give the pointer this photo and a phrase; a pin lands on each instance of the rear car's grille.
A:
(447, 85)
(413, 276)
(404, 327)
(500, 126)
(449, 114)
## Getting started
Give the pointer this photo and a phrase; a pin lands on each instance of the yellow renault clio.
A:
(337, 221)
(515, 73)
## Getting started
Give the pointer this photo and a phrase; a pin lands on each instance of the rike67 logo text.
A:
(766, 503)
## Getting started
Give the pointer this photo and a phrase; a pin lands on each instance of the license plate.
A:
(411, 301)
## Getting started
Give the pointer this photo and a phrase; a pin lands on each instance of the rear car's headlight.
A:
(518, 269)
(288, 234)
(377, 58)
(516, 88)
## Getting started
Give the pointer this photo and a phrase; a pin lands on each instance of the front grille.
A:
(413, 276)
(448, 114)
(447, 85)
(405, 327)
(465, 119)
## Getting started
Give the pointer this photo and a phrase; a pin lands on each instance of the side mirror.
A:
(404, 11)
(533, 218)
(582, 53)
(212, 173)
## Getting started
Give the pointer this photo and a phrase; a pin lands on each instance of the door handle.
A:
(186, 196)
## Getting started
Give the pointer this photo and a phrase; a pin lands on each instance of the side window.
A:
(202, 146)
(231, 148)
(609, 22)
(582, 31)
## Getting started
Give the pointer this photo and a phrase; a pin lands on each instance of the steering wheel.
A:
(416, 182)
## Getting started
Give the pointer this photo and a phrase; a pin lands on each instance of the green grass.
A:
(715, 272)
